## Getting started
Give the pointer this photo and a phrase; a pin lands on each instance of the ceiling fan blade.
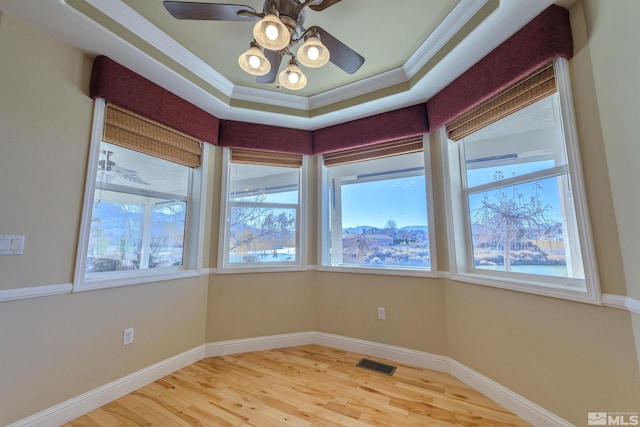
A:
(210, 11)
(275, 58)
(341, 55)
(323, 5)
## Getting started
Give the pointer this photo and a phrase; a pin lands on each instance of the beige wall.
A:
(45, 119)
(613, 35)
(568, 357)
(615, 60)
(254, 305)
(55, 348)
(346, 304)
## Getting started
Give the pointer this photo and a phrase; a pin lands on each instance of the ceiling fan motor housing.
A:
(291, 13)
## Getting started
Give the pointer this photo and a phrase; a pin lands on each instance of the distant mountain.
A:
(415, 228)
(369, 229)
(359, 229)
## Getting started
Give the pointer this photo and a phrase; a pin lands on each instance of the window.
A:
(375, 208)
(140, 210)
(262, 214)
(524, 217)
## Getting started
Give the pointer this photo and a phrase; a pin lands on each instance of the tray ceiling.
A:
(412, 49)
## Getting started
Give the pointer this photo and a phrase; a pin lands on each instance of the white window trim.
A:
(324, 228)
(455, 221)
(301, 226)
(195, 240)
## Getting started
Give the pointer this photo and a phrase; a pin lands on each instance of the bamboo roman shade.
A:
(130, 130)
(527, 91)
(377, 151)
(266, 158)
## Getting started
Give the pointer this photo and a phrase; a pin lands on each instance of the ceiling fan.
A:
(279, 28)
(107, 170)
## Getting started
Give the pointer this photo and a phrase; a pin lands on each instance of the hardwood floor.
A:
(300, 386)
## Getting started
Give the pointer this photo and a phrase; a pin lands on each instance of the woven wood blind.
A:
(130, 130)
(532, 88)
(378, 151)
(266, 159)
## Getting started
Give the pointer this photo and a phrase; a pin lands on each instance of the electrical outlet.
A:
(382, 314)
(127, 336)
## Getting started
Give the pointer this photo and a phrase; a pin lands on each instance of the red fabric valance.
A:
(123, 87)
(274, 139)
(545, 38)
(390, 126)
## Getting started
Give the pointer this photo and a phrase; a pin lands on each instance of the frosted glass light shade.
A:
(313, 53)
(292, 77)
(254, 62)
(271, 33)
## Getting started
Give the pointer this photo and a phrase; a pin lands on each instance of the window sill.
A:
(116, 279)
(388, 271)
(261, 269)
(554, 289)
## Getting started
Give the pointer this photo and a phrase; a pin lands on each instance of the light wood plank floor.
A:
(300, 386)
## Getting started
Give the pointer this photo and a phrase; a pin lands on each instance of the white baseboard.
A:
(100, 396)
(87, 402)
(398, 354)
(515, 403)
(223, 348)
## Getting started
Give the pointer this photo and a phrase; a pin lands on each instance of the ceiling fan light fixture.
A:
(279, 28)
(254, 62)
(313, 53)
(271, 33)
(292, 77)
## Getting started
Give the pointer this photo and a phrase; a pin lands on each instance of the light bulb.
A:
(292, 77)
(313, 53)
(271, 32)
(254, 62)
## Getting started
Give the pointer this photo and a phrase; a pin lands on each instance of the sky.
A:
(374, 203)
(547, 189)
(403, 200)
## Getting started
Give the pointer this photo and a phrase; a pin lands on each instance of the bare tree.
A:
(509, 214)
(360, 242)
(390, 228)
(257, 228)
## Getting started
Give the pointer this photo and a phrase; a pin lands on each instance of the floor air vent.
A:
(383, 368)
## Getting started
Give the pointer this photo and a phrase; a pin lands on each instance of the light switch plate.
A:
(11, 244)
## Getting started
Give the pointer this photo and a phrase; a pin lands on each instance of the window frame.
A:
(324, 226)
(223, 266)
(194, 241)
(457, 213)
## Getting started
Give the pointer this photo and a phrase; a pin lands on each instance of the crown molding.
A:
(462, 13)
(129, 18)
(113, 29)
(261, 96)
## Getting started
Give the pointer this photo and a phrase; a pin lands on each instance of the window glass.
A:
(139, 212)
(263, 216)
(378, 213)
(520, 209)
